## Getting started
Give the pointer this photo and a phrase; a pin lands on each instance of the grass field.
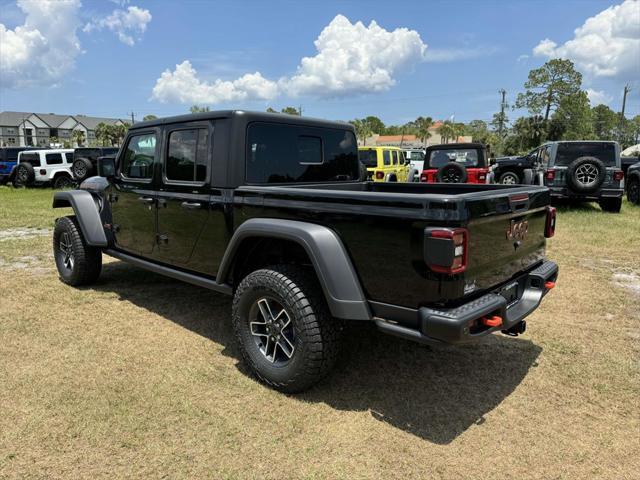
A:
(138, 377)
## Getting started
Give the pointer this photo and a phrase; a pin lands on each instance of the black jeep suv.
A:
(85, 160)
(271, 209)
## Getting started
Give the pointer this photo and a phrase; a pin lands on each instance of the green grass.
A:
(138, 377)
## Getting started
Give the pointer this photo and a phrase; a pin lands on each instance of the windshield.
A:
(369, 158)
(568, 152)
(415, 156)
(467, 157)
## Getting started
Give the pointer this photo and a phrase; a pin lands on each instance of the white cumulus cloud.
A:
(128, 25)
(606, 45)
(596, 97)
(182, 85)
(42, 50)
(351, 58)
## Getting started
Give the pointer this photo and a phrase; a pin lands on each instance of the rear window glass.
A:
(287, 153)
(416, 156)
(32, 158)
(369, 158)
(568, 152)
(53, 158)
(467, 157)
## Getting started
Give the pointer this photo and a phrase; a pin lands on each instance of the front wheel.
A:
(612, 205)
(77, 263)
(62, 181)
(284, 329)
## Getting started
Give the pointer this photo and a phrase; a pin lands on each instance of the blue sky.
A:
(113, 61)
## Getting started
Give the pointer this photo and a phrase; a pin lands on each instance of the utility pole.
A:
(503, 104)
(300, 110)
(133, 119)
(624, 103)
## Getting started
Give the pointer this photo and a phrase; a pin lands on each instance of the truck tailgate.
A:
(505, 241)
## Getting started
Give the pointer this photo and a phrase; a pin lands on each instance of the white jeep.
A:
(38, 167)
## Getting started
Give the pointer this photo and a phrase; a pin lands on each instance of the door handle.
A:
(190, 205)
(147, 200)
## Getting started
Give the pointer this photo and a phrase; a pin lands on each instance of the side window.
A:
(395, 157)
(187, 155)
(138, 157)
(69, 157)
(386, 157)
(544, 156)
(309, 150)
(53, 158)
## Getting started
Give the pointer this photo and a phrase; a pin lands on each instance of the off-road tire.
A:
(317, 334)
(612, 205)
(24, 175)
(572, 173)
(510, 178)
(87, 260)
(62, 181)
(451, 170)
(633, 191)
(81, 169)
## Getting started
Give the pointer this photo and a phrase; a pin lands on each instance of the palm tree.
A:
(78, 137)
(423, 125)
(363, 129)
(447, 131)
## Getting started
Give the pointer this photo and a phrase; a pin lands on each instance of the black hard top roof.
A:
(246, 117)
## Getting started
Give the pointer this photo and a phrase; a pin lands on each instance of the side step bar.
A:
(171, 272)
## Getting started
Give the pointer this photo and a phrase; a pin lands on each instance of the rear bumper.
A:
(463, 324)
(563, 192)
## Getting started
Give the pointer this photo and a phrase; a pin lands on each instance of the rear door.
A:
(183, 194)
(133, 196)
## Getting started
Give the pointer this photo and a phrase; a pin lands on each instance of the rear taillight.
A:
(618, 175)
(445, 249)
(550, 224)
(424, 177)
(482, 174)
(379, 175)
(550, 174)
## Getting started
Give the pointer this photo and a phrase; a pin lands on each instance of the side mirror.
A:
(107, 167)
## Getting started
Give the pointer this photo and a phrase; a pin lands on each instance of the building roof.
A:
(52, 119)
(396, 138)
(90, 123)
(13, 119)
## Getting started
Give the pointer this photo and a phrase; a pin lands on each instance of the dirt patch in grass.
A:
(22, 233)
(138, 377)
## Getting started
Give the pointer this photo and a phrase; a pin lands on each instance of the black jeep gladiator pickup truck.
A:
(271, 209)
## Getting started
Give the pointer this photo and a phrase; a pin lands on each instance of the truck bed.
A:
(382, 226)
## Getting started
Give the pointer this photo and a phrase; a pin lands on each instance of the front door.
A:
(132, 196)
(183, 196)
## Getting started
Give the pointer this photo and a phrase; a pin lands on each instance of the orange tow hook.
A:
(494, 321)
(549, 285)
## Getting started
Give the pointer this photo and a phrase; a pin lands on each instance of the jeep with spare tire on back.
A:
(581, 171)
(275, 211)
(85, 160)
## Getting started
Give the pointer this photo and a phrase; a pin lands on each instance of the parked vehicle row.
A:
(59, 168)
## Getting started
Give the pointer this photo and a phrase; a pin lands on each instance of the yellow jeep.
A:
(384, 164)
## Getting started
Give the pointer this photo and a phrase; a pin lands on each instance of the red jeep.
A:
(456, 163)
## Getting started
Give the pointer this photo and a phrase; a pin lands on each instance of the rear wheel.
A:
(82, 168)
(62, 181)
(633, 191)
(509, 178)
(24, 175)
(612, 205)
(284, 329)
(77, 263)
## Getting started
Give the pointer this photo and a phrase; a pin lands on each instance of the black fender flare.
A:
(86, 212)
(328, 255)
